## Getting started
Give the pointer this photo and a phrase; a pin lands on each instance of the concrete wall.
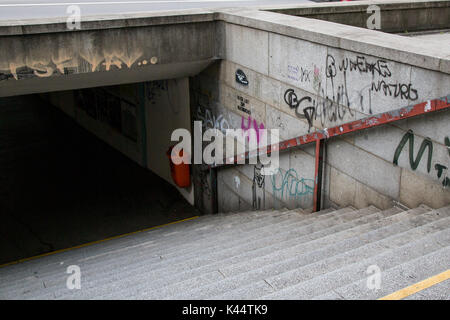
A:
(339, 72)
(399, 16)
(282, 57)
(167, 109)
(110, 113)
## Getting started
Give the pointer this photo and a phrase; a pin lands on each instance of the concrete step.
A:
(439, 291)
(224, 228)
(302, 244)
(298, 259)
(280, 255)
(170, 275)
(242, 263)
(144, 239)
(208, 264)
(106, 269)
(244, 235)
(397, 278)
(304, 287)
(107, 260)
(132, 240)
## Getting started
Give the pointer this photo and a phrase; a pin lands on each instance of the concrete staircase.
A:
(250, 255)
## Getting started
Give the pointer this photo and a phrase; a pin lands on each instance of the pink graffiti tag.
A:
(252, 125)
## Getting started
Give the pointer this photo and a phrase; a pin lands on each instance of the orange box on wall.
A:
(180, 172)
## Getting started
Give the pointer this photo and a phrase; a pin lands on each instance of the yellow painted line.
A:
(403, 293)
(93, 242)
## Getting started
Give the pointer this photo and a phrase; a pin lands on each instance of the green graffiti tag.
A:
(440, 169)
(291, 186)
(414, 162)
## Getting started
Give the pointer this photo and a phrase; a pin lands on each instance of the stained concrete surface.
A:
(60, 186)
(441, 37)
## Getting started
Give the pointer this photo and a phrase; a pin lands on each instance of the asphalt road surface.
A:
(38, 9)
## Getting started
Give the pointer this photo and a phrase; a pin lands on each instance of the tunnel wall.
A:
(110, 113)
(136, 119)
(167, 109)
(339, 85)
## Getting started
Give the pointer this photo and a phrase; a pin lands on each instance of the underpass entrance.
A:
(61, 186)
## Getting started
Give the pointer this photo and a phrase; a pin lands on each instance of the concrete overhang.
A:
(40, 56)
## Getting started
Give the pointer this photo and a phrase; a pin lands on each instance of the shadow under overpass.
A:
(60, 186)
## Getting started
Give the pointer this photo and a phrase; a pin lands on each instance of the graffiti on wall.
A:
(243, 105)
(361, 65)
(335, 101)
(258, 188)
(427, 144)
(291, 99)
(210, 120)
(302, 74)
(290, 186)
(117, 112)
(113, 59)
(380, 68)
(203, 177)
(252, 124)
(23, 68)
(241, 78)
(161, 92)
(414, 163)
(155, 89)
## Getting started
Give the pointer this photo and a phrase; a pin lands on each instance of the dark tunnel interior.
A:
(60, 186)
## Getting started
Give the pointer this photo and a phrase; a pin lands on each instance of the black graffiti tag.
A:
(402, 90)
(291, 99)
(330, 70)
(309, 113)
(441, 168)
(258, 183)
(241, 77)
